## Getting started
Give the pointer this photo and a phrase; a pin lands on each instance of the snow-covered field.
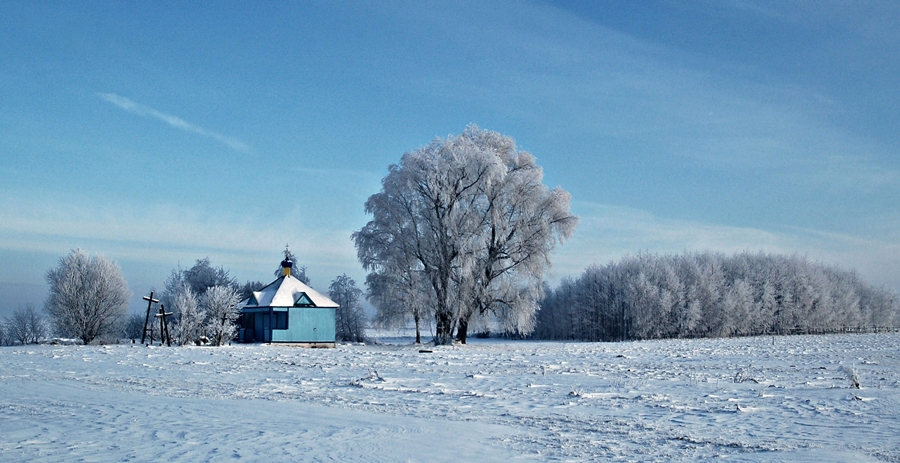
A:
(679, 400)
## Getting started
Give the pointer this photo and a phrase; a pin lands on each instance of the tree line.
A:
(649, 296)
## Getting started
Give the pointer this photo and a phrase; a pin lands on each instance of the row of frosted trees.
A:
(712, 295)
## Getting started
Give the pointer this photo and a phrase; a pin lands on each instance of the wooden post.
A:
(166, 325)
(163, 327)
(150, 302)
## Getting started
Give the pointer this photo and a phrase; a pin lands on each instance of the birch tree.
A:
(400, 297)
(198, 279)
(88, 296)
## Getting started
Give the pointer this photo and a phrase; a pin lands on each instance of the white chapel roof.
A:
(287, 291)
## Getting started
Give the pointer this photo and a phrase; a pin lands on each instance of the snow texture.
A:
(744, 399)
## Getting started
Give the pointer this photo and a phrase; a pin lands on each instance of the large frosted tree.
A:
(88, 296)
(472, 215)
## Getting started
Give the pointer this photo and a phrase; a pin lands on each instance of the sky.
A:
(159, 133)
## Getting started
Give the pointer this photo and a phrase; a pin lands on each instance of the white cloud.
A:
(173, 121)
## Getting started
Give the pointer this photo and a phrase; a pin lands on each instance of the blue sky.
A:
(157, 133)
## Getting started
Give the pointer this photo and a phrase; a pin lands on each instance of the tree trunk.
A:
(418, 330)
(462, 330)
(443, 334)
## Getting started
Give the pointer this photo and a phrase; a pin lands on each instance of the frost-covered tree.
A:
(26, 325)
(221, 306)
(199, 278)
(191, 320)
(350, 319)
(88, 296)
(471, 214)
(398, 286)
(523, 222)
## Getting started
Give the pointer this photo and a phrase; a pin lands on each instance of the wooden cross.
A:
(150, 302)
(163, 327)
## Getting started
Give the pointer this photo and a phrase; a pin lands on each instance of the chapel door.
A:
(267, 327)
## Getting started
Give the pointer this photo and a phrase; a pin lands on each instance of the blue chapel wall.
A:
(307, 324)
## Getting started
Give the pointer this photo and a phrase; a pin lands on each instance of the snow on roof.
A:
(286, 291)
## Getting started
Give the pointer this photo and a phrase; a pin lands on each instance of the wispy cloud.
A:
(174, 121)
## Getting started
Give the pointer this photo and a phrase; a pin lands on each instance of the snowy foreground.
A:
(679, 400)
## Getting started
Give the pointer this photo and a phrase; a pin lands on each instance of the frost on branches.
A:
(88, 296)
(190, 316)
(221, 314)
(468, 221)
(201, 301)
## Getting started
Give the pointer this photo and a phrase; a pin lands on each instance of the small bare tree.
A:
(88, 296)
(26, 325)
